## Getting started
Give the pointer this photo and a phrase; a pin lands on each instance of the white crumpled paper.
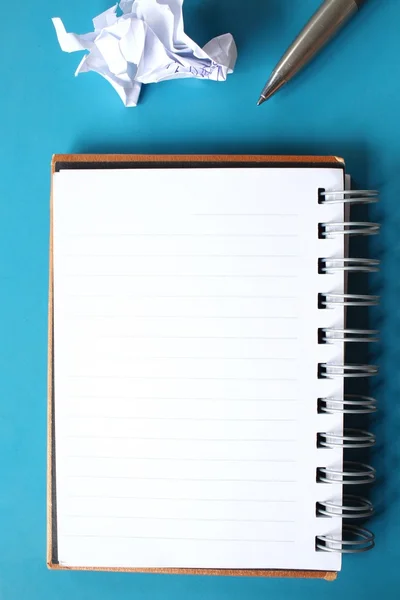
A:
(146, 44)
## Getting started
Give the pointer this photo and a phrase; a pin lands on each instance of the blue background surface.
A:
(346, 103)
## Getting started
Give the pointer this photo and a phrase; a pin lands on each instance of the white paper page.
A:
(186, 354)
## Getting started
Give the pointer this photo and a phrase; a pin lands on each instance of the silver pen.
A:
(325, 23)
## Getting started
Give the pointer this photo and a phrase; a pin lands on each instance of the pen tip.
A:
(275, 82)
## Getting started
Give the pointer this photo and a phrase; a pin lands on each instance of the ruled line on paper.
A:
(174, 538)
(167, 357)
(261, 214)
(128, 478)
(127, 255)
(195, 519)
(181, 276)
(180, 399)
(195, 337)
(220, 318)
(195, 419)
(262, 297)
(172, 459)
(178, 439)
(189, 499)
(186, 235)
(152, 378)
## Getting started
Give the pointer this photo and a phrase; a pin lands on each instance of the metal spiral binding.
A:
(331, 335)
(328, 300)
(332, 230)
(353, 507)
(331, 266)
(349, 197)
(333, 371)
(350, 438)
(352, 473)
(351, 539)
(352, 404)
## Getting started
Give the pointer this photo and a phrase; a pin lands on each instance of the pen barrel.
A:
(325, 23)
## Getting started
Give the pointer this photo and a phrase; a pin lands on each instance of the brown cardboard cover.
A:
(312, 161)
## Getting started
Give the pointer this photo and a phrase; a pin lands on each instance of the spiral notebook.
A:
(196, 395)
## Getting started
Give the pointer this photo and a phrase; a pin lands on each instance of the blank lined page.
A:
(186, 367)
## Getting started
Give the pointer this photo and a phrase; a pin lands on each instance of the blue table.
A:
(346, 103)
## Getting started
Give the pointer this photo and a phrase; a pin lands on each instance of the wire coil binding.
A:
(332, 230)
(352, 507)
(349, 197)
(332, 335)
(350, 438)
(352, 473)
(330, 266)
(351, 404)
(332, 371)
(350, 539)
(328, 300)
